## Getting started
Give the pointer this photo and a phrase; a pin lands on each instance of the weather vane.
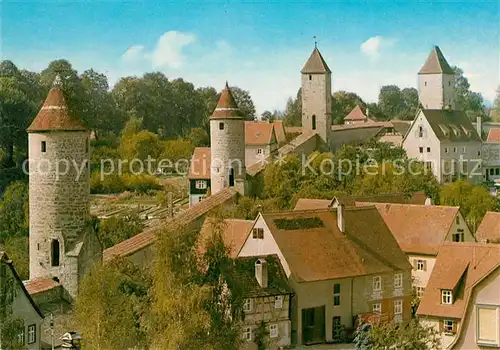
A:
(315, 42)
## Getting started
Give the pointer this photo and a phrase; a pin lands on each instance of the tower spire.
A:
(315, 42)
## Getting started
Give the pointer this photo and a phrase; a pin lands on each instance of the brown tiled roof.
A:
(436, 63)
(293, 129)
(279, 130)
(356, 114)
(200, 164)
(337, 127)
(235, 233)
(449, 125)
(4, 259)
(418, 229)
(322, 253)
(259, 133)
(147, 237)
(311, 204)
(460, 265)
(39, 285)
(296, 142)
(494, 135)
(227, 108)
(315, 64)
(489, 229)
(54, 116)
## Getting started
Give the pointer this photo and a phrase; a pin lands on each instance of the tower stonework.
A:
(316, 96)
(227, 144)
(436, 82)
(62, 243)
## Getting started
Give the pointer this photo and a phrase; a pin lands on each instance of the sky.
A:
(255, 45)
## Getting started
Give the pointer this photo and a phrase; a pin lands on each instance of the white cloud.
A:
(169, 49)
(133, 53)
(373, 46)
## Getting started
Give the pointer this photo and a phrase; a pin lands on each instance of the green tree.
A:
(410, 100)
(116, 229)
(244, 101)
(466, 100)
(495, 111)
(343, 103)
(14, 211)
(282, 180)
(390, 101)
(140, 146)
(177, 151)
(17, 248)
(293, 110)
(199, 137)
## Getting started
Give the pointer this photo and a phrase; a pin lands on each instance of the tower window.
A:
(425, 83)
(55, 252)
(314, 122)
(231, 177)
(310, 77)
(221, 126)
(44, 146)
(86, 146)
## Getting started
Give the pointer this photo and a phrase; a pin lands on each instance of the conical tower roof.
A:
(54, 116)
(436, 63)
(315, 64)
(227, 108)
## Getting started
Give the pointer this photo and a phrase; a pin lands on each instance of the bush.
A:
(141, 183)
(117, 229)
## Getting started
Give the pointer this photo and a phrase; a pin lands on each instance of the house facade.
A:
(335, 268)
(462, 301)
(260, 141)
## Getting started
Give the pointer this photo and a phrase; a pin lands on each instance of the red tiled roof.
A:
(147, 237)
(54, 116)
(293, 129)
(311, 204)
(279, 130)
(39, 285)
(338, 127)
(468, 263)
(200, 164)
(436, 63)
(235, 232)
(418, 229)
(494, 135)
(356, 114)
(489, 229)
(227, 106)
(259, 133)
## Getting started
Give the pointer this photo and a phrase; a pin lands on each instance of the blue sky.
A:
(259, 46)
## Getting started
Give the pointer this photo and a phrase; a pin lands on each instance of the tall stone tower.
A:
(62, 244)
(436, 82)
(317, 96)
(227, 143)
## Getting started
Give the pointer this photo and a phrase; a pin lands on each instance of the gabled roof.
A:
(460, 266)
(279, 130)
(235, 232)
(419, 229)
(147, 237)
(199, 167)
(494, 135)
(450, 125)
(277, 282)
(311, 204)
(489, 229)
(4, 259)
(356, 114)
(54, 115)
(322, 252)
(227, 108)
(315, 64)
(40, 285)
(259, 133)
(436, 63)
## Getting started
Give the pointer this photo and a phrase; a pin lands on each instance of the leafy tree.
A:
(293, 110)
(495, 111)
(116, 229)
(474, 200)
(199, 137)
(343, 103)
(209, 97)
(17, 248)
(282, 180)
(390, 101)
(178, 152)
(244, 102)
(466, 100)
(410, 100)
(140, 145)
(14, 211)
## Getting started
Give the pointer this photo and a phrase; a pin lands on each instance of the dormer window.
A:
(43, 146)
(446, 296)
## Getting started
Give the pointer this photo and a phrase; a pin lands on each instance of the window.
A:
(32, 334)
(200, 198)
(201, 184)
(425, 83)
(421, 265)
(310, 77)
(463, 149)
(273, 330)
(314, 122)
(497, 171)
(420, 292)
(258, 233)
(448, 326)
(446, 150)
(247, 333)
(247, 305)
(221, 126)
(336, 294)
(454, 150)
(377, 283)
(44, 146)
(377, 308)
(55, 252)
(259, 150)
(449, 83)
(456, 237)
(398, 280)
(446, 296)
(428, 150)
(421, 149)
(398, 307)
(492, 171)
(86, 146)
(457, 220)
(479, 153)
(487, 325)
(420, 131)
(278, 302)
(20, 337)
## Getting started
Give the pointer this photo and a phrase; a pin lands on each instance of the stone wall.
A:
(317, 101)
(436, 90)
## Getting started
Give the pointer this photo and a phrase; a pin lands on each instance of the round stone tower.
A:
(59, 191)
(227, 143)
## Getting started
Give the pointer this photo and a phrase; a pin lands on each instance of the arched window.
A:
(314, 122)
(54, 252)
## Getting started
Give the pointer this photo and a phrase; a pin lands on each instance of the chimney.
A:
(261, 272)
(479, 127)
(428, 201)
(340, 217)
(170, 205)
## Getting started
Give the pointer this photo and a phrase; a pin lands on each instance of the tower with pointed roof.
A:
(316, 96)
(62, 244)
(436, 82)
(227, 143)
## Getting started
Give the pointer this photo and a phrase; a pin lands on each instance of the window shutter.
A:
(441, 326)
(414, 263)
(454, 327)
(425, 265)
